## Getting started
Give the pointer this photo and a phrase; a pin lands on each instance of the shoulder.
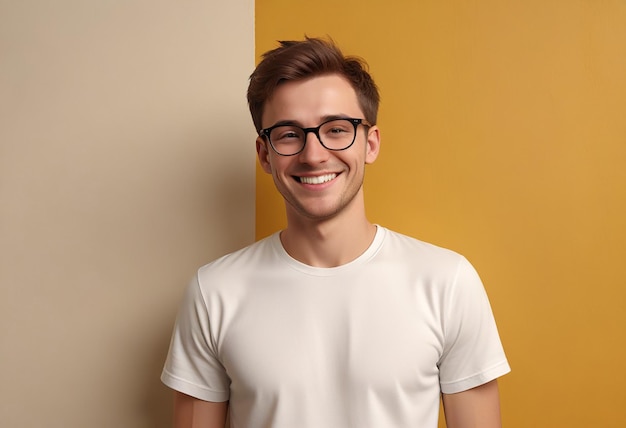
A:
(413, 251)
(431, 266)
(240, 264)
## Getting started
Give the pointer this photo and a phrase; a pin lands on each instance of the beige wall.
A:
(126, 161)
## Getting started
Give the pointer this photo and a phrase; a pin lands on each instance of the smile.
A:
(317, 180)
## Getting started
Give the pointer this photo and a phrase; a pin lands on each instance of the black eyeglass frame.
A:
(316, 130)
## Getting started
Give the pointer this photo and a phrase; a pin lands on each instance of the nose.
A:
(313, 152)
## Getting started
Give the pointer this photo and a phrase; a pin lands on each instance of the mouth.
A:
(320, 179)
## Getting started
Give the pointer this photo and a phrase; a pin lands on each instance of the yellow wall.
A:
(504, 138)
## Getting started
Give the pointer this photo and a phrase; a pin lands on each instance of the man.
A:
(334, 321)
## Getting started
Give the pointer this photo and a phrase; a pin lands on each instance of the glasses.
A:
(334, 134)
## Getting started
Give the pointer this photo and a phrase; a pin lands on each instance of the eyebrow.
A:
(325, 118)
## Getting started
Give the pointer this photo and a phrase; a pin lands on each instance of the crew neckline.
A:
(371, 250)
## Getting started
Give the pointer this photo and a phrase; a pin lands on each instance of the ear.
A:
(373, 144)
(263, 154)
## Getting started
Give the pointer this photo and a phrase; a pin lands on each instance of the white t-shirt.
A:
(371, 343)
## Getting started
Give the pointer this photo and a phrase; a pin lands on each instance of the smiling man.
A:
(333, 322)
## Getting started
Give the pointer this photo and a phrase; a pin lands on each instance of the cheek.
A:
(276, 166)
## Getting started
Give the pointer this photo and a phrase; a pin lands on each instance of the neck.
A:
(329, 242)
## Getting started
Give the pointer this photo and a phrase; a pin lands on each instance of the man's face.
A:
(317, 183)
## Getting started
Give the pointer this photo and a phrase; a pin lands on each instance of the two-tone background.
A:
(127, 160)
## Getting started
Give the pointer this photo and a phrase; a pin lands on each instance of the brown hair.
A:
(296, 60)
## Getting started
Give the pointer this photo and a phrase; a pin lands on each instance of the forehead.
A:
(308, 100)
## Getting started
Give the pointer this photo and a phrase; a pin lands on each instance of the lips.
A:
(320, 179)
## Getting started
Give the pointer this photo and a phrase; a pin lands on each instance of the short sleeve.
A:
(192, 365)
(473, 353)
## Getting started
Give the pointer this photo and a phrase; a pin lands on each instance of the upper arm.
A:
(191, 412)
(475, 408)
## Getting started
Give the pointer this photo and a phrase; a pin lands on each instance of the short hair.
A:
(298, 60)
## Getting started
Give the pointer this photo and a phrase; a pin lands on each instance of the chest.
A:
(365, 337)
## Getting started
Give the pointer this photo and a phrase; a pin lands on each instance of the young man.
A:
(333, 322)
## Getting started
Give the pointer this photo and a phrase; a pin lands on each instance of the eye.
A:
(337, 129)
(286, 133)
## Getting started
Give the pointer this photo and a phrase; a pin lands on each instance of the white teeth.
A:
(317, 180)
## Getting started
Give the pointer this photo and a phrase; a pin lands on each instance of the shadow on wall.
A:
(157, 400)
(223, 217)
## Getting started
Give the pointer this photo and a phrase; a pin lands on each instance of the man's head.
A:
(299, 60)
